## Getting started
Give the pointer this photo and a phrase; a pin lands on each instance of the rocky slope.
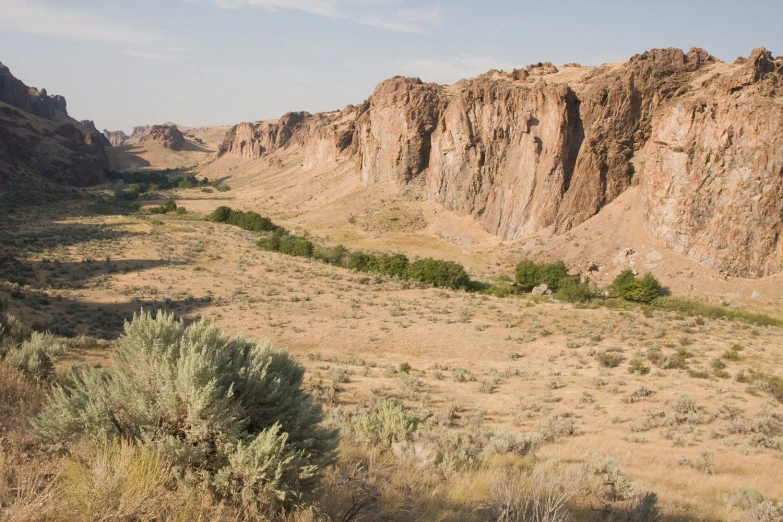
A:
(543, 147)
(115, 138)
(39, 142)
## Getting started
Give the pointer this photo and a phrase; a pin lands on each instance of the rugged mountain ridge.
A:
(542, 147)
(39, 141)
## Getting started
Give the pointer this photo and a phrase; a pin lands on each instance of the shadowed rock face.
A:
(115, 138)
(524, 150)
(167, 135)
(38, 138)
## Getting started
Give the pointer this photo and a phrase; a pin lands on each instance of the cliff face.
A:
(167, 135)
(540, 147)
(39, 139)
(394, 133)
(713, 184)
(115, 138)
(505, 155)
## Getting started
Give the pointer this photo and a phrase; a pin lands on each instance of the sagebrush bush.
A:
(36, 356)
(387, 424)
(225, 414)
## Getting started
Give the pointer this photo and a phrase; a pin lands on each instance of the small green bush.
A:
(249, 220)
(570, 289)
(639, 290)
(387, 424)
(390, 265)
(529, 274)
(295, 246)
(225, 414)
(439, 273)
(36, 356)
(359, 261)
(332, 256)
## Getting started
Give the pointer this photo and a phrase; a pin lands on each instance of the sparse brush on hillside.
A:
(226, 415)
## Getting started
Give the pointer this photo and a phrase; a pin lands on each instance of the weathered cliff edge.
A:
(539, 147)
(38, 139)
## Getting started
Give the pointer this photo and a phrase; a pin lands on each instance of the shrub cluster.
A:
(435, 272)
(169, 206)
(529, 274)
(555, 275)
(639, 290)
(249, 220)
(32, 353)
(285, 243)
(225, 414)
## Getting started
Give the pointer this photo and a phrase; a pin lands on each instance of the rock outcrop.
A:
(167, 135)
(40, 142)
(253, 140)
(115, 138)
(541, 147)
(713, 183)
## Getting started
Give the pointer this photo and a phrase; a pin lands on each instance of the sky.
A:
(124, 63)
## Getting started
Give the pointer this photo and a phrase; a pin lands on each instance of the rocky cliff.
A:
(544, 147)
(115, 138)
(167, 135)
(40, 142)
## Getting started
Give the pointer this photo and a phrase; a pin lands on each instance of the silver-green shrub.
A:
(227, 414)
(36, 356)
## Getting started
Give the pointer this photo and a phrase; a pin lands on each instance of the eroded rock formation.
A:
(116, 138)
(40, 142)
(542, 147)
(167, 135)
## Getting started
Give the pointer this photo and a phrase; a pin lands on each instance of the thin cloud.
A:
(149, 55)
(393, 15)
(449, 71)
(32, 17)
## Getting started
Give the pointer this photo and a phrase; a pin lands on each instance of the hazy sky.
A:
(200, 62)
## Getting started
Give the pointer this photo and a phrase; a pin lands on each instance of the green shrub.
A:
(571, 290)
(225, 414)
(609, 359)
(333, 256)
(639, 290)
(390, 265)
(295, 246)
(220, 215)
(359, 261)
(251, 221)
(439, 273)
(529, 274)
(387, 424)
(271, 243)
(36, 356)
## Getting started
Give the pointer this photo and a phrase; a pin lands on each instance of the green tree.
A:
(527, 275)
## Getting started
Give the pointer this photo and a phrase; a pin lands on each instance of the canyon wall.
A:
(39, 141)
(543, 147)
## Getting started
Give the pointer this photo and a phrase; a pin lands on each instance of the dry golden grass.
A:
(509, 363)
